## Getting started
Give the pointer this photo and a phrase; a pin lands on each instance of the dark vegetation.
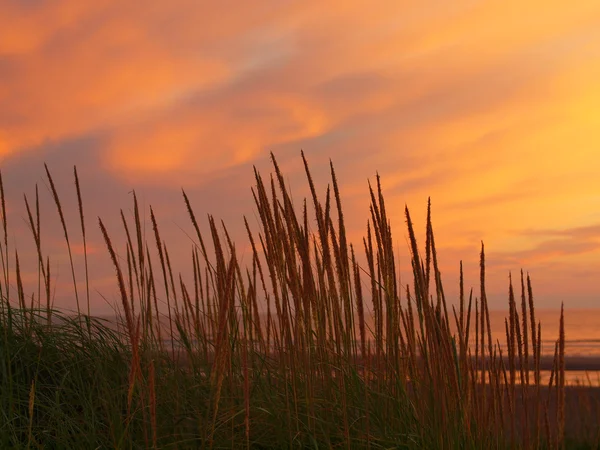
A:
(216, 371)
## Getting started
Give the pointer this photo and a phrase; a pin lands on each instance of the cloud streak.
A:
(497, 123)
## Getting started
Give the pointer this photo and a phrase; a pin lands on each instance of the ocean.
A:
(582, 341)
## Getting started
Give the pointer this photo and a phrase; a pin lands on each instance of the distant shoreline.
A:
(573, 363)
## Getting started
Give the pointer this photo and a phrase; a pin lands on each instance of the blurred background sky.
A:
(489, 107)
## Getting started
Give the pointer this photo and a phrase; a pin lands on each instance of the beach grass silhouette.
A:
(304, 347)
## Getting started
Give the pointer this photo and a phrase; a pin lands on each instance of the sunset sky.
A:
(492, 108)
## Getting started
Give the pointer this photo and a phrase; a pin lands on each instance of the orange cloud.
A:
(487, 107)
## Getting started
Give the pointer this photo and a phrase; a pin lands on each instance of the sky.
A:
(488, 107)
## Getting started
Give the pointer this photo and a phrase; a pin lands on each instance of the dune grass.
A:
(301, 348)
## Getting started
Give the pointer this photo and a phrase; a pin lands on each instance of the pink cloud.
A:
(496, 123)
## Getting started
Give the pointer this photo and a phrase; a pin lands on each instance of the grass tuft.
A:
(304, 347)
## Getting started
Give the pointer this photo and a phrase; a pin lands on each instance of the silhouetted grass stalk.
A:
(344, 356)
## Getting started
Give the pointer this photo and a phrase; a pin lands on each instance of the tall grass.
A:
(303, 347)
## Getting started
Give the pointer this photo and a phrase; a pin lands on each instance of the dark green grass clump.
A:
(61, 388)
(64, 388)
(302, 348)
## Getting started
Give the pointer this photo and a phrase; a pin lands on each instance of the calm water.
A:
(582, 330)
(582, 347)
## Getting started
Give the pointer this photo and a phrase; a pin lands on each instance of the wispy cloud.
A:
(488, 107)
